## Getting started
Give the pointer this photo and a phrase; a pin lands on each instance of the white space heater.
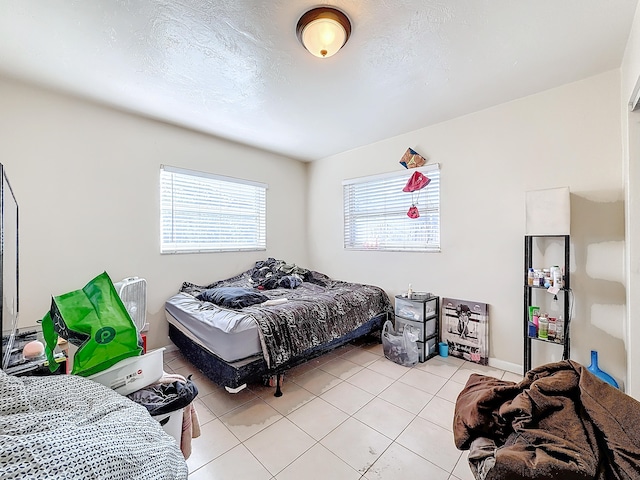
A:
(133, 293)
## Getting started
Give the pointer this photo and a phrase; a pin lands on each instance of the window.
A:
(375, 213)
(202, 212)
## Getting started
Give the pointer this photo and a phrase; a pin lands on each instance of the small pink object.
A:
(417, 181)
(33, 350)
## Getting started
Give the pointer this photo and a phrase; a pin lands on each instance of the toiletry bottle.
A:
(560, 329)
(551, 329)
(410, 292)
(557, 279)
(543, 326)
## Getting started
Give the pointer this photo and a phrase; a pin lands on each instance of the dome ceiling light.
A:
(323, 31)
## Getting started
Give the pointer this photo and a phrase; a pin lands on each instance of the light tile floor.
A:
(350, 414)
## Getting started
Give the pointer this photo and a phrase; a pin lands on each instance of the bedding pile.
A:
(273, 273)
(560, 422)
(317, 311)
(69, 427)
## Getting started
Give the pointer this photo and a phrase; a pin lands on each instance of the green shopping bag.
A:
(96, 321)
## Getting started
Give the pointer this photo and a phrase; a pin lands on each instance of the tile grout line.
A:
(260, 395)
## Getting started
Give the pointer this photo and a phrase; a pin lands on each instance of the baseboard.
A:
(508, 366)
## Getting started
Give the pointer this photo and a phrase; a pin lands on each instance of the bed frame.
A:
(235, 375)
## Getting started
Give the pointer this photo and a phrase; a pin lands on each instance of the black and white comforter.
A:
(316, 312)
(69, 427)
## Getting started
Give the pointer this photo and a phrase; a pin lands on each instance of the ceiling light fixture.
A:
(323, 31)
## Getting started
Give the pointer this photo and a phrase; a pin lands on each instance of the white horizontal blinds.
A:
(201, 212)
(375, 213)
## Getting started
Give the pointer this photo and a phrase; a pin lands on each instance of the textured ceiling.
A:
(235, 69)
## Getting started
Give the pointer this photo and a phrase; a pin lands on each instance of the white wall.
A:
(631, 140)
(86, 180)
(568, 136)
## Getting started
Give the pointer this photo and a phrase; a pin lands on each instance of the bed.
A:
(297, 314)
(560, 421)
(69, 427)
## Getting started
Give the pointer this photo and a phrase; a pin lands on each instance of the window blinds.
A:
(375, 213)
(201, 212)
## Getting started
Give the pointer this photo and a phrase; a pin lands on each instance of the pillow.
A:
(290, 281)
(232, 297)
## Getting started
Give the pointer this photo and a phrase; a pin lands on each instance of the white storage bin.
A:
(409, 310)
(422, 330)
(133, 373)
(415, 309)
(171, 423)
(417, 328)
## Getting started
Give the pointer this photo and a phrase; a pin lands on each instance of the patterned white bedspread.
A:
(69, 427)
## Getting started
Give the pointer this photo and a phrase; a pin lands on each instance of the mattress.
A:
(230, 334)
(304, 309)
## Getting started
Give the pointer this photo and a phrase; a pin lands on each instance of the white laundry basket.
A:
(171, 423)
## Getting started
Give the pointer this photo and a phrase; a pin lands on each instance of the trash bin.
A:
(165, 403)
(171, 423)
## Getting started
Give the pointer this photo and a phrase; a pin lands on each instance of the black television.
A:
(9, 271)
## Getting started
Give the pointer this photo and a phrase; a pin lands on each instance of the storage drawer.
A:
(431, 327)
(414, 327)
(428, 349)
(432, 343)
(414, 309)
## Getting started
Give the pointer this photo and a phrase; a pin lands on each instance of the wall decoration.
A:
(412, 159)
(465, 328)
(416, 183)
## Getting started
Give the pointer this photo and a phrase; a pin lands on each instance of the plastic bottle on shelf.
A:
(410, 292)
(559, 329)
(533, 320)
(530, 276)
(543, 327)
(535, 316)
(553, 270)
(557, 278)
(552, 328)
